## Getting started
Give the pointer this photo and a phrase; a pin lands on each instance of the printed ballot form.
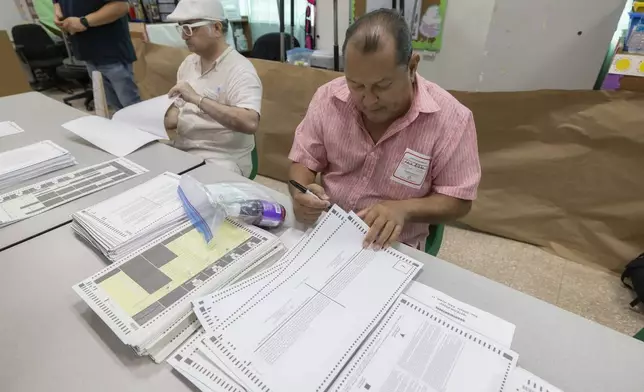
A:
(127, 221)
(301, 327)
(416, 348)
(466, 315)
(522, 380)
(43, 196)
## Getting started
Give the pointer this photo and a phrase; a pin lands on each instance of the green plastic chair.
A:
(254, 158)
(255, 161)
(434, 240)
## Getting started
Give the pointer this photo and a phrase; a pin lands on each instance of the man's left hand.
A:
(73, 25)
(184, 90)
(386, 221)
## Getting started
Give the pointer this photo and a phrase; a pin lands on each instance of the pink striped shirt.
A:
(431, 149)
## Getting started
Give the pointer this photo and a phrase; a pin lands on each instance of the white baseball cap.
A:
(198, 10)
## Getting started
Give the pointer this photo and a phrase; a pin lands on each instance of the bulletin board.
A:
(426, 19)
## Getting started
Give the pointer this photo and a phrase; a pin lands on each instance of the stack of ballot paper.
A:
(127, 222)
(145, 298)
(23, 164)
(331, 316)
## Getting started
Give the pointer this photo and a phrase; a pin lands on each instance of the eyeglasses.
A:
(187, 29)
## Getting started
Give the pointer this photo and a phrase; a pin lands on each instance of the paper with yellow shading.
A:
(171, 268)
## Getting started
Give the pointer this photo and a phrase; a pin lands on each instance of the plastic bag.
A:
(299, 56)
(208, 206)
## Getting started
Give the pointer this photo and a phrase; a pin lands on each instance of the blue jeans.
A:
(118, 79)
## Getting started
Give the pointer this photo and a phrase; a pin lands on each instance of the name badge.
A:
(412, 169)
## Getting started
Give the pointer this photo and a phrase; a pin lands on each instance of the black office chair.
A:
(77, 74)
(39, 51)
(267, 47)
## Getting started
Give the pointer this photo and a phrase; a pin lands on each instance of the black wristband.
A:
(84, 22)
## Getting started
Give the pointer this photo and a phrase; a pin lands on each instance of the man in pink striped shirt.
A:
(394, 147)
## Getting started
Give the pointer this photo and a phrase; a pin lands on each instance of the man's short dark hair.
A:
(370, 27)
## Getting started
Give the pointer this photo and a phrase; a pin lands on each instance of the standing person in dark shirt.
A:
(100, 36)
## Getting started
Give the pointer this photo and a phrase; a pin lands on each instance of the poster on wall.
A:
(425, 18)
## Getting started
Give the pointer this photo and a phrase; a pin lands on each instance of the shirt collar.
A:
(423, 100)
(197, 60)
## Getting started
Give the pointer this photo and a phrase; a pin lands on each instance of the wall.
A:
(548, 44)
(9, 15)
(509, 45)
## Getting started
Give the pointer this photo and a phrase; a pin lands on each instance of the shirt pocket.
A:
(217, 94)
(409, 175)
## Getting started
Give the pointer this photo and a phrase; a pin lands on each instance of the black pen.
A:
(303, 189)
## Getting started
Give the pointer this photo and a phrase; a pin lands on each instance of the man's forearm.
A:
(435, 209)
(301, 174)
(237, 119)
(109, 13)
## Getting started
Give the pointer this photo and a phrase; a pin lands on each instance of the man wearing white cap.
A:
(220, 88)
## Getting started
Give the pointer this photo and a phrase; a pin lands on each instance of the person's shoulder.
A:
(241, 63)
(447, 103)
(190, 59)
(334, 88)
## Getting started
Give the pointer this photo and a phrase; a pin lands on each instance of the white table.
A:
(41, 118)
(51, 340)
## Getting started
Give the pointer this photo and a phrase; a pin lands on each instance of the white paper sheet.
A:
(468, 316)
(9, 128)
(522, 380)
(33, 154)
(416, 348)
(45, 195)
(113, 137)
(330, 279)
(125, 216)
(147, 116)
(191, 362)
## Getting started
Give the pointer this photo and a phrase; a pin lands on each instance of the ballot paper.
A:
(522, 380)
(116, 138)
(193, 363)
(126, 222)
(312, 315)
(174, 336)
(9, 128)
(468, 316)
(40, 197)
(25, 163)
(142, 296)
(147, 116)
(417, 348)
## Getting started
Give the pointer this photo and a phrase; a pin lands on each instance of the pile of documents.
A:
(127, 222)
(161, 264)
(328, 315)
(23, 164)
(331, 316)
(45, 195)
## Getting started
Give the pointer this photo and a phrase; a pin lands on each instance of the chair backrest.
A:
(267, 47)
(36, 43)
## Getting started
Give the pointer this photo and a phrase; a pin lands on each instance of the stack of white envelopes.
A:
(24, 163)
(128, 222)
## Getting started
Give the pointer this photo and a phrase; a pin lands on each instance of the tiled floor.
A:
(588, 291)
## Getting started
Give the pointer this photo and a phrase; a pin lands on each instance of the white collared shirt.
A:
(231, 81)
